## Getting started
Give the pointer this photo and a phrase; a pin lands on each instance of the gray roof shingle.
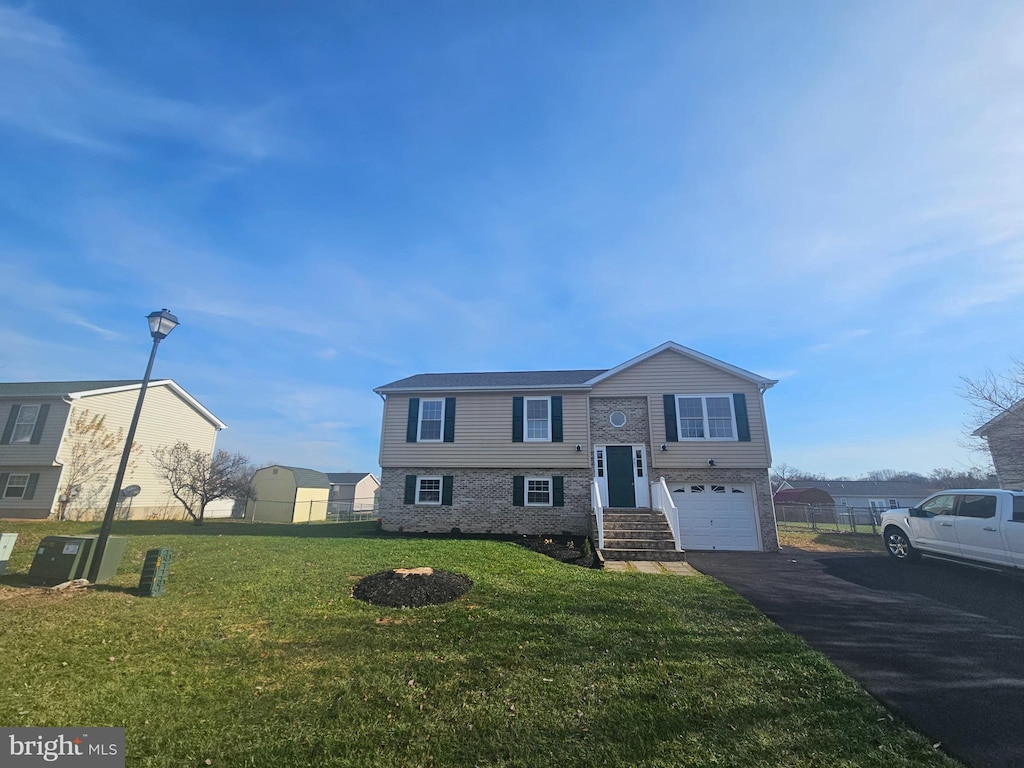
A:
(492, 380)
(59, 388)
(308, 478)
(346, 478)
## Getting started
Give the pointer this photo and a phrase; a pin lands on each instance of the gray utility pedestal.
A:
(6, 545)
(65, 558)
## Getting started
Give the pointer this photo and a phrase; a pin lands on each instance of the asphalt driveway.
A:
(941, 644)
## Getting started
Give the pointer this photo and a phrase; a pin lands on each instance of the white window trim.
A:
(19, 423)
(23, 486)
(526, 421)
(440, 490)
(419, 422)
(526, 492)
(707, 425)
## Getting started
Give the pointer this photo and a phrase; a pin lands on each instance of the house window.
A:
(25, 424)
(617, 419)
(538, 418)
(600, 463)
(431, 420)
(538, 491)
(428, 490)
(706, 417)
(16, 485)
(893, 504)
(639, 462)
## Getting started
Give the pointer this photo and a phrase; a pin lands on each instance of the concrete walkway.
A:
(650, 566)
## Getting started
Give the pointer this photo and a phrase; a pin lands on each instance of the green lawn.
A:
(830, 541)
(257, 656)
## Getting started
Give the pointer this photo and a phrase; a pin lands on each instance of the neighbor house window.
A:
(16, 485)
(893, 504)
(538, 491)
(428, 490)
(538, 418)
(706, 417)
(25, 424)
(431, 420)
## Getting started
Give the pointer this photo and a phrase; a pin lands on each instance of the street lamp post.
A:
(160, 324)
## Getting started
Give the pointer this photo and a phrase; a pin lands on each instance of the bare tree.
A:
(90, 458)
(196, 478)
(885, 475)
(996, 394)
(972, 477)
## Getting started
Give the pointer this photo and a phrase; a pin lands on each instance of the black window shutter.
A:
(4, 476)
(446, 489)
(12, 417)
(410, 489)
(518, 490)
(556, 418)
(671, 425)
(558, 491)
(739, 402)
(30, 489)
(37, 433)
(517, 419)
(412, 425)
(449, 419)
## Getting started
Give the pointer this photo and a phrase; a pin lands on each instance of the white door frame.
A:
(641, 478)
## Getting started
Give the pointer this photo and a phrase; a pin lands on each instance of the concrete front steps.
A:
(638, 534)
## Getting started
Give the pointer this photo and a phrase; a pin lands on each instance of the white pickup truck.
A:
(980, 524)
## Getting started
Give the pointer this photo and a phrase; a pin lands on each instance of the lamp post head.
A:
(161, 323)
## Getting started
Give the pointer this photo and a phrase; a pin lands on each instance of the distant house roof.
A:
(874, 488)
(75, 390)
(803, 496)
(994, 423)
(305, 478)
(576, 379)
(348, 478)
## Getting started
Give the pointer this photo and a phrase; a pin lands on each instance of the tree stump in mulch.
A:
(411, 587)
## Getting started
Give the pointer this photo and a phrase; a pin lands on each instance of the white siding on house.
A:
(483, 434)
(671, 373)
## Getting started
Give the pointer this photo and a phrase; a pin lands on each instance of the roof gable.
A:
(761, 381)
(304, 478)
(76, 390)
(1016, 411)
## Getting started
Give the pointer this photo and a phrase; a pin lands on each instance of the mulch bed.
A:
(565, 549)
(411, 587)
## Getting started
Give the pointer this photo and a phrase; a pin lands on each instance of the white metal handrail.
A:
(595, 502)
(661, 500)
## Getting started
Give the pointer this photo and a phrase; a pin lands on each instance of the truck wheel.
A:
(899, 546)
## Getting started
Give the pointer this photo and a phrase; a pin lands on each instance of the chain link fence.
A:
(312, 511)
(794, 516)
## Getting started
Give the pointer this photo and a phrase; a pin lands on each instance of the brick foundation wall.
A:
(720, 476)
(482, 503)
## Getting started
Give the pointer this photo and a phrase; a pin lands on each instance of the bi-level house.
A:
(48, 455)
(673, 437)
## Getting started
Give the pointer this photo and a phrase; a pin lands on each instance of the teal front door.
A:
(621, 490)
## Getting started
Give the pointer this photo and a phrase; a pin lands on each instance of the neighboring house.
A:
(38, 442)
(288, 495)
(807, 496)
(529, 452)
(352, 492)
(877, 495)
(1005, 437)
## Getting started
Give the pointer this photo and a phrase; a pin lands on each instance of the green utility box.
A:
(6, 545)
(64, 558)
(155, 570)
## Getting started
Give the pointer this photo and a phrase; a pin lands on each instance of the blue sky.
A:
(332, 196)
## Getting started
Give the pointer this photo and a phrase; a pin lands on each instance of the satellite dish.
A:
(131, 491)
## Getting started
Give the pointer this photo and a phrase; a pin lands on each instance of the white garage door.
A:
(716, 516)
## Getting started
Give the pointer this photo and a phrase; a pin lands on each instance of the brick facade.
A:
(636, 431)
(482, 503)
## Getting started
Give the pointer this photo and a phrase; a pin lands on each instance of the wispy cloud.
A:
(51, 88)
